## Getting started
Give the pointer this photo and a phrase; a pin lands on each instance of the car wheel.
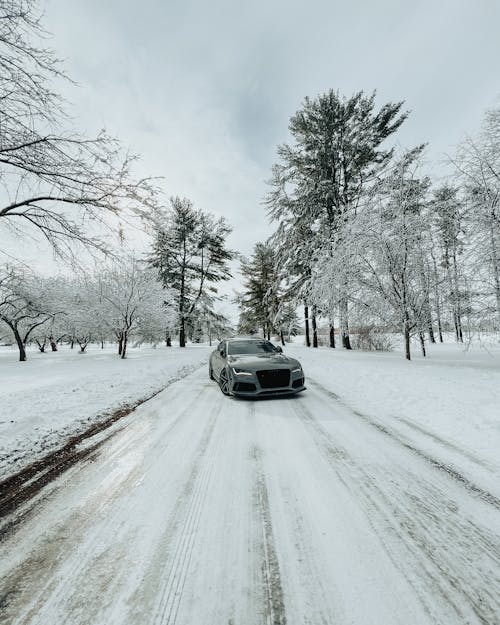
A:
(224, 382)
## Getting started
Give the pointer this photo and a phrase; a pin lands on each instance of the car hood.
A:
(254, 362)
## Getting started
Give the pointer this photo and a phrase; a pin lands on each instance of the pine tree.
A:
(259, 301)
(190, 255)
(319, 181)
(448, 215)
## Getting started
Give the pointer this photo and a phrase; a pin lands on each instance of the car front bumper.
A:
(240, 388)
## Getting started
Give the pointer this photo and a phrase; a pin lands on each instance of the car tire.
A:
(224, 382)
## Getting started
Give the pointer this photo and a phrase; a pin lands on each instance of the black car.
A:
(253, 367)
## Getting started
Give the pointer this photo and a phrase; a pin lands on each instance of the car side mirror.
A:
(223, 353)
(279, 349)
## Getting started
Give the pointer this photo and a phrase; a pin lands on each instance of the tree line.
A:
(365, 240)
(150, 299)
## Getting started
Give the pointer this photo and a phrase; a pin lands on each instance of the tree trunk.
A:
(306, 321)
(440, 327)
(182, 332)
(53, 344)
(407, 342)
(332, 336)
(496, 271)
(458, 304)
(344, 324)
(438, 299)
(124, 346)
(427, 300)
(422, 343)
(120, 344)
(314, 327)
(282, 338)
(20, 345)
(182, 327)
(431, 333)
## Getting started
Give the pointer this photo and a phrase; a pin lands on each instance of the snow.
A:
(447, 402)
(370, 499)
(56, 394)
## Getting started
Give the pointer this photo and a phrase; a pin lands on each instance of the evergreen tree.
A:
(319, 181)
(190, 255)
(448, 215)
(259, 301)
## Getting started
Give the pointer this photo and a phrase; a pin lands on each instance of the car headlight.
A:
(237, 371)
(297, 370)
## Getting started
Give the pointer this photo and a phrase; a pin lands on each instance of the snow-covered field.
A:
(57, 394)
(373, 498)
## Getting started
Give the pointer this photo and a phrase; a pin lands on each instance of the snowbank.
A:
(57, 394)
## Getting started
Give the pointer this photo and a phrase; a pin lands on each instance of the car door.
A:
(219, 359)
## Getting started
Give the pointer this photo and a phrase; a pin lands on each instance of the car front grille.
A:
(274, 378)
(243, 387)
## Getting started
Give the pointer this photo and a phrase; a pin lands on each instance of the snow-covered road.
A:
(199, 509)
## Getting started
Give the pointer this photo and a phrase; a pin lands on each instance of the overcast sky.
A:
(203, 91)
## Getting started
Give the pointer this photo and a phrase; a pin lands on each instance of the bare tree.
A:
(24, 305)
(55, 182)
(134, 300)
(388, 258)
(478, 164)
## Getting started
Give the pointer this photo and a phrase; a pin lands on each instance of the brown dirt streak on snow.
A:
(21, 486)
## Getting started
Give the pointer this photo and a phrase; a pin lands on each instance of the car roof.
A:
(246, 338)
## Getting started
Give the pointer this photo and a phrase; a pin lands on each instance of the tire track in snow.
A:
(274, 605)
(301, 531)
(445, 443)
(186, 519)
(444, 552)
(485, 495)
(48, 592)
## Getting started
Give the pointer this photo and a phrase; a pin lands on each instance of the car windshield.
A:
(249, 347)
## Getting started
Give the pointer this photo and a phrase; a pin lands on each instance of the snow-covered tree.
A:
(448, 212)
(259, 300)
(391, 236)
(320, 179)
(57, 183)
(190, 255)
(133, 301)
(478, 166)
(25, 304)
